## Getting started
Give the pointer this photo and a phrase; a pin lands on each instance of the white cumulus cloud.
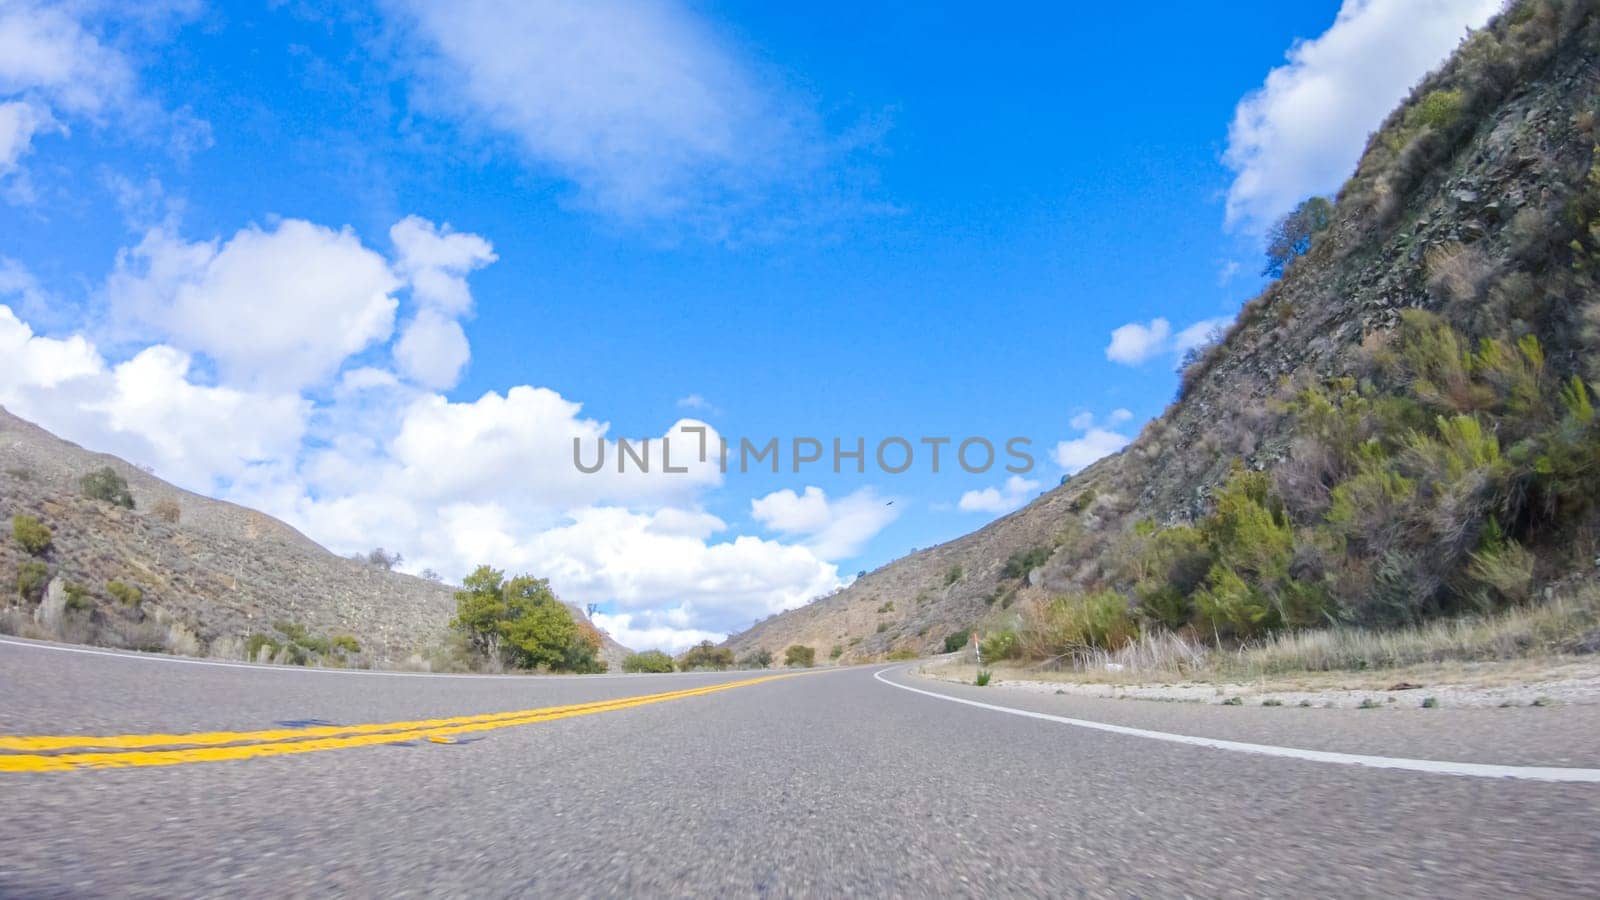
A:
(1201, 333)
(280, 308)
(1004, 499)
(436, 259)
(1134, 343)
(1096, 441)
(833, 529)
(432, 350)
(145, 409)
(1303, 130)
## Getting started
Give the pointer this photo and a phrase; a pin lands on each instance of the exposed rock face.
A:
(1527, 150)
(218, 574)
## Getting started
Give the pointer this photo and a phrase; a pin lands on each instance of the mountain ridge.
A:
(1432, 206)
(209, 579)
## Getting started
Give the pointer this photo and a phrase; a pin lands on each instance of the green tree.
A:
(760, 659)
(538, 629)
(480, 607)
(956, 640)
(648, 661)
(706, 655)
(522, 623)
(1293, 234)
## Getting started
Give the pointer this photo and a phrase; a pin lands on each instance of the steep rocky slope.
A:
(209, 574)
(1433, 210)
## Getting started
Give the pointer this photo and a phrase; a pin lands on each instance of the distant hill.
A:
(1472, 202)
(209, 574)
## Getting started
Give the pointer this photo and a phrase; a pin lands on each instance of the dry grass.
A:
(1561, 626)
(1523, 638)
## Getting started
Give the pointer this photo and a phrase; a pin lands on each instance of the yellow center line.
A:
(222, 746)
(211, 738)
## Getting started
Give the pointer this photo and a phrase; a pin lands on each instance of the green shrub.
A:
(836, 651)
(952, 576)
(887, 607)
(1566, 457)
(1169, 566)
(999, 645)
(882, 627)
(300, 638)
(1065, 624)
(760, 659)
(1503, 568)
(32, 577)
(705, 655)
(983, 678)
(124, 593)
(78, 598)
(902, 655)
(1078, 504)
(955, 641)
(31, 534)
(1438, 110)
(107, 486)
(1020, 563)
(800, 656)
(1250, 587)
(345, 643)
(254, 644)
(648, 661)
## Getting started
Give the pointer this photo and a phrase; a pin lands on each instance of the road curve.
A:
(828, 782)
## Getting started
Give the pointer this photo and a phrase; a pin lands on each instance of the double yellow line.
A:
(63, 753)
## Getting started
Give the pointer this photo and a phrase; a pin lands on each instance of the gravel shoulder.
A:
(1527, 735)
(1552, 682)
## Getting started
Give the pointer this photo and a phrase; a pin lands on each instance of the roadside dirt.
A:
(1558, 682)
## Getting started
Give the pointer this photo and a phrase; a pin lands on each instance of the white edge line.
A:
(1429, 766)
(314, 670)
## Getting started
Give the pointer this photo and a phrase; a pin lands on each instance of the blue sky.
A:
(304, 259)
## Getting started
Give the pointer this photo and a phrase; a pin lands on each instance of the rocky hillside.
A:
(211, 578)
(1469, 202)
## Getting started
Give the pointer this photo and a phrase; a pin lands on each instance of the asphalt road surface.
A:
(239, 780)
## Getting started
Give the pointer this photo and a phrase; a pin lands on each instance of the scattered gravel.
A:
(1577, 685)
